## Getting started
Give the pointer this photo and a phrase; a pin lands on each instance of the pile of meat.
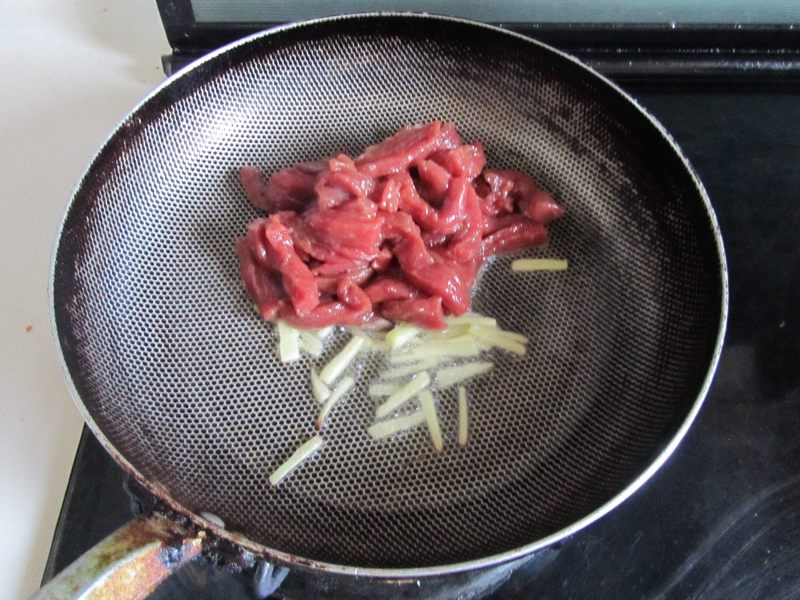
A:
(400, 232)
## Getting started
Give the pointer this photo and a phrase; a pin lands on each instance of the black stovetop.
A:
(722, 518)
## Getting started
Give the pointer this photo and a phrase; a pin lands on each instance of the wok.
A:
(179, 379)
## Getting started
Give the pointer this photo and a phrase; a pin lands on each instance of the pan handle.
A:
(128, 564)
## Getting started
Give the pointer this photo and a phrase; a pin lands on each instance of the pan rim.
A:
(399, 572)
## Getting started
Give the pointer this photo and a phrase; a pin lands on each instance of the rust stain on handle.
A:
(128, 564)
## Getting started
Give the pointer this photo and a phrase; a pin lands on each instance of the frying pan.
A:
(179, 379)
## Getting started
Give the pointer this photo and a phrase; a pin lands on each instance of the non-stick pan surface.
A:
(179, 377)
